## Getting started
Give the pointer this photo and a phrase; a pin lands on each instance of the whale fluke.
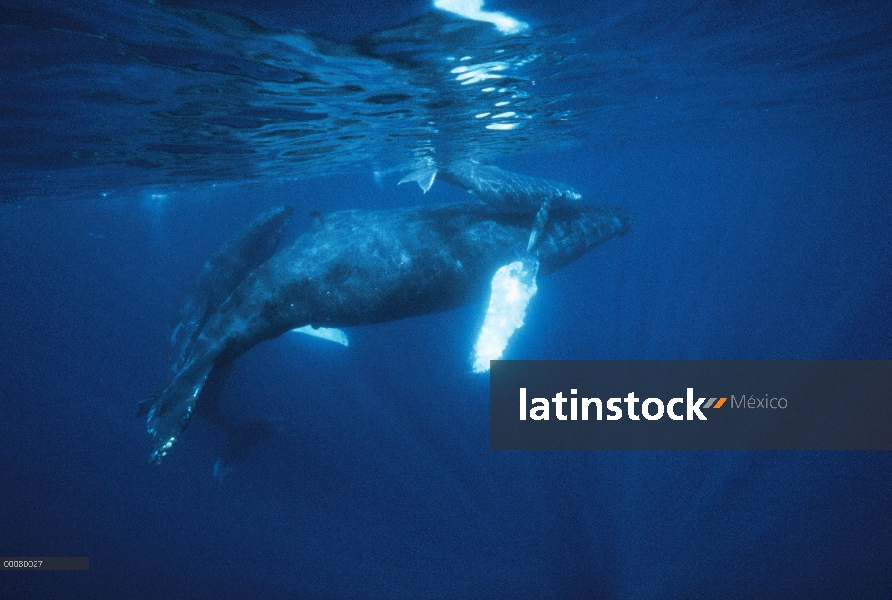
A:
(423, 177)
(171, 406)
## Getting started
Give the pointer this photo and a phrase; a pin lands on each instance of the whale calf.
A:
(355, 267)
(503, 190)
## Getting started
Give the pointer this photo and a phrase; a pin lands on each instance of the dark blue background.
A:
(751, 242)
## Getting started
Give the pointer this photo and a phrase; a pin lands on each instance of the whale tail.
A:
(424, 177)
(170, 408)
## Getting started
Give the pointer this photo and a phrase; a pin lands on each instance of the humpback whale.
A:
(355, 267)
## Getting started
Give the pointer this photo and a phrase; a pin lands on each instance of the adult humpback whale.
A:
(356, 267)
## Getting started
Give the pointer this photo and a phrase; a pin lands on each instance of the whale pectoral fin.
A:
(423, 177)
(172, 407)
(513, 286)
(538, 225)
(326, 333)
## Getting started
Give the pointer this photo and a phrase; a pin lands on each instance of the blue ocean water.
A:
(751, 139)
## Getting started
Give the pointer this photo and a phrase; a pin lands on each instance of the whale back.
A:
(365, 267)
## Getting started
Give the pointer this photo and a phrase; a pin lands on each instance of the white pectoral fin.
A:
(423, 177)
(326, 333)
(513, 286)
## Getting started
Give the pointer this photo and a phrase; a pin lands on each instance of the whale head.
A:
(574, 228)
